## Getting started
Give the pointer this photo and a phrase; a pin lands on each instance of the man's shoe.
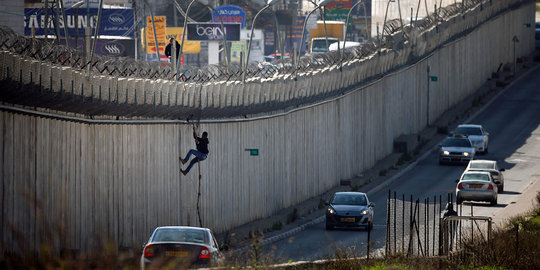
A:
(182, 160)
(183, 172)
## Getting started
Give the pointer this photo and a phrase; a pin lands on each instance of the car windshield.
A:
(349, 199)
(476, 176)
(468, 131)
(319, 45)
(456, 142)
(481, 165)
(179, 235)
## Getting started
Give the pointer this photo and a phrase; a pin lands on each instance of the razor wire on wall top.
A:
(127, 67)
(39, 74)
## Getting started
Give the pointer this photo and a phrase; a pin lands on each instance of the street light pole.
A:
(270, 2)
(319, 5)
(346, 28)
(184, 30)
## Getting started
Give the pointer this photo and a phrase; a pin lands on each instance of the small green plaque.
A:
(434, 78)
(253, 151)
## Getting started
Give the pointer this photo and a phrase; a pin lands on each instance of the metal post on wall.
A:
(66, 35)
(96, 32)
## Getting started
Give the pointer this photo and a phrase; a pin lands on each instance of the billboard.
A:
(189, 46)
(230, 14)
(212, 31)
(109, 47)
(114, 22)
(159, 22)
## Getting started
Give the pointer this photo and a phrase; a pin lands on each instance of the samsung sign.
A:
(114, 22)
(212, 31)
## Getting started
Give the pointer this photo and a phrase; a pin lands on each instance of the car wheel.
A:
(459, 200)
(494, 201)
(329, 227)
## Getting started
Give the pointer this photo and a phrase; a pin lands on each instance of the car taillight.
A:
(205, 253)
(149, 251)
(490, 187)
(460, 186)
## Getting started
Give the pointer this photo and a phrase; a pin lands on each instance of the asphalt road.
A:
(512, 119)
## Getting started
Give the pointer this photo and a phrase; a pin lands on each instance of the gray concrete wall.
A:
(84, 183)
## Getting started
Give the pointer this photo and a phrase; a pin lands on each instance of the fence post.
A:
(517, 241)
(368, 242)
(388, 224)
(395, 206)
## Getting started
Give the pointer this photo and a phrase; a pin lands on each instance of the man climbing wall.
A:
(200, 154)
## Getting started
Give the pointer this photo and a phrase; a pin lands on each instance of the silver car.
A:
(349, 209)
(476, 133)
(491, 167)
(180, 247)
(456, 150)
(476, 186)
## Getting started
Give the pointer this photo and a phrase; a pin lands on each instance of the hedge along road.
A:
(512, 118)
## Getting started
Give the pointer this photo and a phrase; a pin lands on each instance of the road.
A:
(512, 119)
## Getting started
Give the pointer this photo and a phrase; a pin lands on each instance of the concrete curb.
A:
(390, 180)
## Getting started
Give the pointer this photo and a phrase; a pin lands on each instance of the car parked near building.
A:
(476, 186)
(349, 209)
(180, 247)
(476, 133)
(490, 166)
(457, 149)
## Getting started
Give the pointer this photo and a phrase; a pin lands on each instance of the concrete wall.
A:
(78, 184)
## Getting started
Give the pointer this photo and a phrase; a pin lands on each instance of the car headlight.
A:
(365, 212)
(466, 154)
(446, 153)
(331, 211)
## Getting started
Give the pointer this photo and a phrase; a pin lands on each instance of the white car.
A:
(476, 133)
(491, 167)
(476, 186)
(180, 247)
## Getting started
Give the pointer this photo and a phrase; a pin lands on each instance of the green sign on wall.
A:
(253, 151)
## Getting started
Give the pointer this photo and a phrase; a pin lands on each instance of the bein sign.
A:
(212, 31)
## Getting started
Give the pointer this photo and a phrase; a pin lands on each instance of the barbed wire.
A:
(128, 67)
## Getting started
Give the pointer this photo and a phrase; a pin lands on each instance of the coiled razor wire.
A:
(128, 67)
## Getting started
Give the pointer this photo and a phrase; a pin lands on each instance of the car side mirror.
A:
(457, 180)
(326, 203)
(371, 204)
(450, 134)
(502, 170)
(497, 182)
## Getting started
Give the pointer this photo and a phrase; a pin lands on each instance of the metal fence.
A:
(427, 227)
(127, 67)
